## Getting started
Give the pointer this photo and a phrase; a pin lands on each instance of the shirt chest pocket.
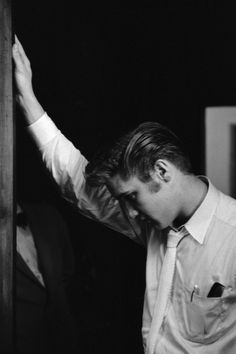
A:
(204, 319)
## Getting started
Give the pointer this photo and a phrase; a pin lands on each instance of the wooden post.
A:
(6, 181)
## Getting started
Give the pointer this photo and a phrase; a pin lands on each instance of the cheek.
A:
(149, 206)
(159, 209)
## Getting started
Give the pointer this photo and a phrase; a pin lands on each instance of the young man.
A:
(143, 188)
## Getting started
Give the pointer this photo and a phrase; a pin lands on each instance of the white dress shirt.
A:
(194, 323)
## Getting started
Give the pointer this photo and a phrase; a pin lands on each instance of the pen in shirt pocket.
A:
(196, 291)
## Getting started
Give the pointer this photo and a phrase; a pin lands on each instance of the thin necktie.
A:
(164, 287)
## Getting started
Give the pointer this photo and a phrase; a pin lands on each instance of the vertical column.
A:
(6, 180)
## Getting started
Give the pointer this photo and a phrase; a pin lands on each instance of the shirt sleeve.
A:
(66, 164)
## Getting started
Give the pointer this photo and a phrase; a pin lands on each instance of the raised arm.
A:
(65, 163)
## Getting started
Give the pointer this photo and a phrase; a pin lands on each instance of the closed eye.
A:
(131, 197)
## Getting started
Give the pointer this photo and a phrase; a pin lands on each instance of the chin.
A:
(163, 226)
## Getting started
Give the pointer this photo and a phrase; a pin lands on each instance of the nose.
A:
(133, 213)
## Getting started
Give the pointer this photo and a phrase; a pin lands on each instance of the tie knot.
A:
(174, 238)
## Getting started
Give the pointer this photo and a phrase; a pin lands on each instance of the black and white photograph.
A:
(117, 177)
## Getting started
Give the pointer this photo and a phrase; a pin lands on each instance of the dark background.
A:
(98, 70)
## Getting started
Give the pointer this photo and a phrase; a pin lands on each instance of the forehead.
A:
(120, 186)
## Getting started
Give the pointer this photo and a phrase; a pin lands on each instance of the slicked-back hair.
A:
(136, 153)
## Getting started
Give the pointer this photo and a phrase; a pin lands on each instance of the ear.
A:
(163, 170)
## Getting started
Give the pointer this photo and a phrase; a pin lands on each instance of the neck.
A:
(193, 192)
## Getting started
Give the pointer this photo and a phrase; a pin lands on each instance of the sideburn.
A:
(154, 186)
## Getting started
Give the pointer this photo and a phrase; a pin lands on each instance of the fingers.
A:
(16, 55)
(19, 45)
(18, 48)
(17, 58)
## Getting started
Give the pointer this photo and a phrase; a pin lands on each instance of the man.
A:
(44, 269)
(145, 190)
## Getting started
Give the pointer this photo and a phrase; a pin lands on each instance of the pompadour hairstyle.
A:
(136, 153)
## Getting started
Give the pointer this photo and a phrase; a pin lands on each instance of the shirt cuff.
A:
(43, 130)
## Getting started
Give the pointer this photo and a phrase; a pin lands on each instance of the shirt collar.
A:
(198, 224)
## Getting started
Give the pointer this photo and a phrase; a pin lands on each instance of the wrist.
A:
(30, 106)
(26, 97)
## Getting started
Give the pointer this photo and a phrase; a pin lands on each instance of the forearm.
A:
(30, 106)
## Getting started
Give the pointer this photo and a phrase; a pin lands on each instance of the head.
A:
(141, 168)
